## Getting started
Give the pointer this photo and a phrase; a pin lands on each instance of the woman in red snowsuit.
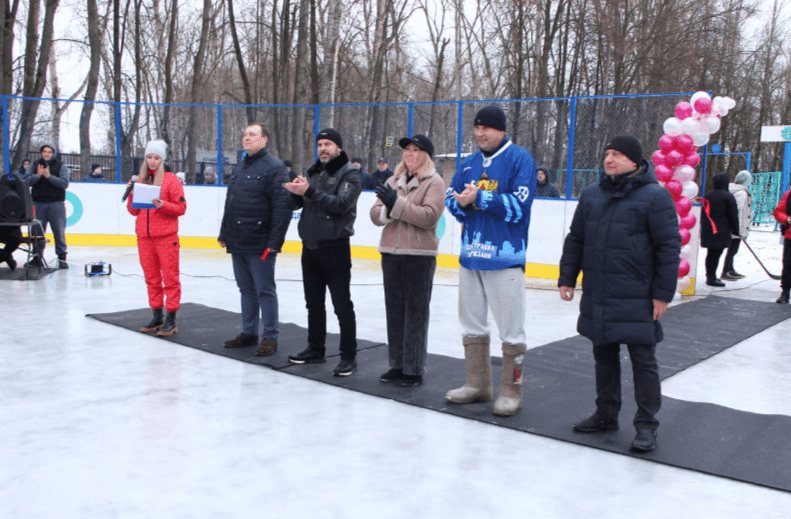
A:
(158, 240)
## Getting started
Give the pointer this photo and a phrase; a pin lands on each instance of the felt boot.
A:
(478, 387)
(783, 299)
(509, 400)
(169, 328)
(155, 323)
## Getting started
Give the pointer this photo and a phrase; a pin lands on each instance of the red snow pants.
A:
(159, 258)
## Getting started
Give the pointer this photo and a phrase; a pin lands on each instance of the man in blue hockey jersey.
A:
(491, 197)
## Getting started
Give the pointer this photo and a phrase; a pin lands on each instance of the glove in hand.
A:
(387, 195)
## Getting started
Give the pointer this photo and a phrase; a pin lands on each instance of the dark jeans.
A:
(408, 280)
(712, 260)
(54, 214)
(732, 250)
(785, 282)
(256, 282)
(329, 267)
(647, 390)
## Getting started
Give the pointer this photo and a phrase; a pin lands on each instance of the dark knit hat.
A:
(628, 145)
(331, 134)
(357, 159)
(419, 140)
(491, 116)
(94, 166)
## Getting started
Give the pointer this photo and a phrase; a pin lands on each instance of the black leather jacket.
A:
(329, 206)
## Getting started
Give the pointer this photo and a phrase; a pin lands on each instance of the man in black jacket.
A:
(328, 198)
(624, 237)
(253, 229)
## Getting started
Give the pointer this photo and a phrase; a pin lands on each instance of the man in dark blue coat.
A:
(253, 229)
(624, 237)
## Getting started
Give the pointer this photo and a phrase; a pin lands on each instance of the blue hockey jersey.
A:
(494, 234)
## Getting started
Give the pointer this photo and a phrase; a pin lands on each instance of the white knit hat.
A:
(157, 147)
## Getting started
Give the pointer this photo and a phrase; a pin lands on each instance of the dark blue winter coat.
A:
(624, 237)
(256, 213)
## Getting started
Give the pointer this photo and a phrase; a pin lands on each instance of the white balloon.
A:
(729, 103)
(714, 124)
(683, 284)
(672, 126)
(698, 95)
(700, 138)
(689, 189)
(684, 173)
(689, 126)
(719, 109)
(686, 252)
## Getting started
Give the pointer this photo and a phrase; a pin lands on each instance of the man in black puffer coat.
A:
(624, 237)
(253, 229)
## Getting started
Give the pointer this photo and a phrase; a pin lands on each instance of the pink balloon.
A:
(673, 158)
(675, 188)
(683, 268)
(685, 236)
(685, 144)
(683, 110)
(683, 205)
(688, 221)
(703, 105)
(693, 159)
(663, 173)
(658, 158)
(666, 143)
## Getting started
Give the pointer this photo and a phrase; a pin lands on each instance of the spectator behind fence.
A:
(544, 186)
(48, 178)
(382, 172)
(96, 174)
(209, 176)
(23, 168)
(409, 205)
(491, 197)
(157, 238)
(366, 181)
(328, 198)
(740, 189)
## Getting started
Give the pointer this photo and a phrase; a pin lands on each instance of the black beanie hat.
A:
(491, 116)
(628, 145)
(419, 140)
(331, 134)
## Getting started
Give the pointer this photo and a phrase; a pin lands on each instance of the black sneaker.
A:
(345, 368)
(644, 441)
(736, 275)
(729, 276)
(241, 341)
(595, 423)
(392, 375)
(307, 356)
(411, 380)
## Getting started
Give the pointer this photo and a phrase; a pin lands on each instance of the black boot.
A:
(712, 281)
(62, 264)
(156, 322)
(783, 299)
(169, 328)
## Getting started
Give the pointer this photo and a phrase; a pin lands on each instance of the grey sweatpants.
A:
(502, 291)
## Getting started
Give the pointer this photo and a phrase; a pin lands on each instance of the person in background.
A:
(409, 206)
(491, 197)
(367, 182)
(48, 179)
(544, 187)
(96, 174)
(158, 240)
(719, 219)
(210, 176)
(12, 238)
(624, 238)
(382, 172)
(740, 189)
(23, 167)
(782, 214)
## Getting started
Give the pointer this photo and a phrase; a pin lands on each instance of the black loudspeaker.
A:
(16, 204)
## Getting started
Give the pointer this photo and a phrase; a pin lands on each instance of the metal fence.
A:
(767, 190)
(565, 134)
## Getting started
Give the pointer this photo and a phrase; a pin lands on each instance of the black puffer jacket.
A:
(256, 213)
(329, 206)
(624, 237)
(719, 206)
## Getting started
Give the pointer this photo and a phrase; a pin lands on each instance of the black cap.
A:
(357, 159)
(331, 134)
(94, 166)
(382, 160)
(628, 145)
(491, 116)
(419, 140)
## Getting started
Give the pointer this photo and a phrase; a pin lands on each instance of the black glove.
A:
(387, 195)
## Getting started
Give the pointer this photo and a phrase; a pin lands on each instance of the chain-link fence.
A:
(565, 134)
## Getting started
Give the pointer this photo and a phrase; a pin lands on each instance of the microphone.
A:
(129, 189)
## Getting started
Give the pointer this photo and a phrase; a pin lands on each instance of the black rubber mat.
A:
(558, 386)
(23, 274)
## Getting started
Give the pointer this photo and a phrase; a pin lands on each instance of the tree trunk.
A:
(237, 50)
(95, 45)
(191, 165)
(300, 88)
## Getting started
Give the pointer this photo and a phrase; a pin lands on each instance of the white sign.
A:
(776, 133)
